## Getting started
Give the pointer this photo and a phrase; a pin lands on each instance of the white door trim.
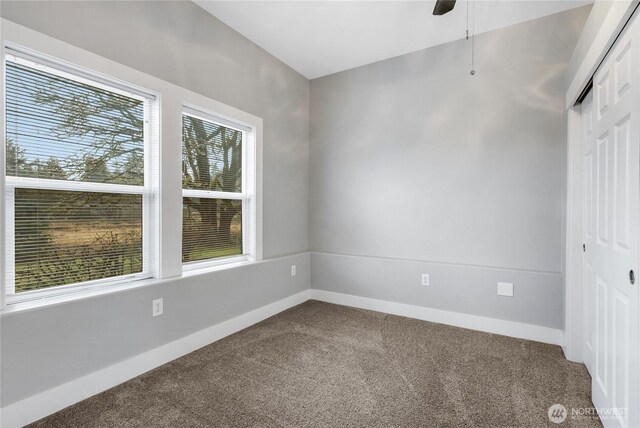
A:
(573, 312)
(611, 27)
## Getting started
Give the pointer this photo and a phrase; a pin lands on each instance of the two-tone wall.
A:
(387, 171)
(180, 43)
(418, 167)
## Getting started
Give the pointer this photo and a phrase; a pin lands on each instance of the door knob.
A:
(632, 277)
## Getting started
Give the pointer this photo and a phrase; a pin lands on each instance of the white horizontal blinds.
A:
(211, 156)
(211, 228)
(62, 129)
(213, 199)
(66, 237)
(75, 180)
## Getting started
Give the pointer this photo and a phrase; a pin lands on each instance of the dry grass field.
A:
(69, 235)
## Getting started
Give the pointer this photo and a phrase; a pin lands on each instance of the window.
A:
(83, 208)
(216, 182)
(78, 177)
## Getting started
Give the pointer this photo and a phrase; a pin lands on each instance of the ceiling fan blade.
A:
(443, 6)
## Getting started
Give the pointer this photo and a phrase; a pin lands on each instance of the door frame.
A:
(611, 27)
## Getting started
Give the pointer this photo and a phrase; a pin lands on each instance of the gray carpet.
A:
(321, 365)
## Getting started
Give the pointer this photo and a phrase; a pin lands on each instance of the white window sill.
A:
(205, 266)
(91, 292)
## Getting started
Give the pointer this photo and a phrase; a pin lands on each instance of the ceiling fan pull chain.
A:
(445, 6)
(473, 36)
(467, 19)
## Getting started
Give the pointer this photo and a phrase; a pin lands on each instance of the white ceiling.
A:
(317, 38)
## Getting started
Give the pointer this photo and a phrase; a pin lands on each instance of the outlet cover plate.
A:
(505, 289)
(426, 279)
(158, 307)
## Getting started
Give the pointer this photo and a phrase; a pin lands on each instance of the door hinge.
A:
(584, 248)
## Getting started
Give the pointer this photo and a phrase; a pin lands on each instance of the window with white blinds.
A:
(214, 182)
(78, 198)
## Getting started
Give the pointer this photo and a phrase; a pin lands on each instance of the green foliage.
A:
(17, 163)
(98, 136)
(80, 236)
(113, 124)
(84, 133)
(93, 134)
(52, 169)
(38, 237)
(201, 234)
(95, 170)
(110, 254)
(211, 160)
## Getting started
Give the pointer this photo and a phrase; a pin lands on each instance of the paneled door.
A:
(611, 157)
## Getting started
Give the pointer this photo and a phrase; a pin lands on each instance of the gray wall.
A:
(413, 159)
(180, 43)
(481, 194)
(47, 347)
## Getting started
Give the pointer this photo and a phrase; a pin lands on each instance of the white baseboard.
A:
(45, 403)
(457, 319)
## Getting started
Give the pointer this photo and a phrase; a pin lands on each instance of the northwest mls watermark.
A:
(558, 413)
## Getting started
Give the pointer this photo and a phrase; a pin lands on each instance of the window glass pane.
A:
(211, 156)
(59, 128)
(66, 237)
(211, 228)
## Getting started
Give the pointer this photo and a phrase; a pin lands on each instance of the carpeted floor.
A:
(323, 365)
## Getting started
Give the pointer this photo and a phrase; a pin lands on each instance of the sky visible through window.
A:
(211, 161)
(62, 129)
(67, 131)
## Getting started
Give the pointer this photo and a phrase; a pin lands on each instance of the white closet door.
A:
(612, 163)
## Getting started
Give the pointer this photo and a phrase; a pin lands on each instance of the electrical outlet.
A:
(505, 289)
(293, 270)
(158, 308)
(426, 280)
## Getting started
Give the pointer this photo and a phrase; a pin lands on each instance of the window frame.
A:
(167, 188)
(247, 195)
(26, 57)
